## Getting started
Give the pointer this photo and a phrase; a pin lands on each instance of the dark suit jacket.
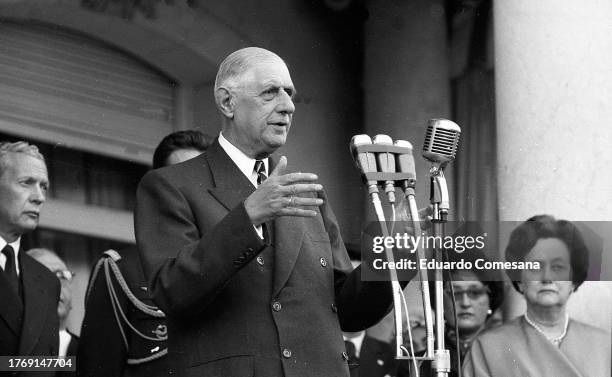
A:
(38, 334)
(229, 313)
(102, 351)
(376, 359)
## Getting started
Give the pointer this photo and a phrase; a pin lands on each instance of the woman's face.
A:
(472, 300)
(551, 285)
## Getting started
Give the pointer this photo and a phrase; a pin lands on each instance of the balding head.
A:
(235, 65)
(254, 93)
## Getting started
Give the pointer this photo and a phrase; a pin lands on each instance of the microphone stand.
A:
(440, 201)
(409, 193)
(396, 288)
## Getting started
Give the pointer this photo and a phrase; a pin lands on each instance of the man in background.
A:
(109, 346)
(68, 342)
(29, 292)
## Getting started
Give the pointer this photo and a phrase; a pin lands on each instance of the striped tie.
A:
(260, 169)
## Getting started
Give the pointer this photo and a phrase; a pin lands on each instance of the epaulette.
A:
(141, 347)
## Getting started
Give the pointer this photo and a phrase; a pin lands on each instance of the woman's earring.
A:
(489, 312)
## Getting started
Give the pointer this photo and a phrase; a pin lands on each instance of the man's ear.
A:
(225, 102)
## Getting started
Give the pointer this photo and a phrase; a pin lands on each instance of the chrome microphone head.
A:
(441, 141)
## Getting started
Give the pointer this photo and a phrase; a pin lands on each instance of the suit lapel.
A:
(9, 312)
(231, 186)
(35, 301)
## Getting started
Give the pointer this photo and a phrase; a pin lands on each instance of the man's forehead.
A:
(269, 72)
(24, 164)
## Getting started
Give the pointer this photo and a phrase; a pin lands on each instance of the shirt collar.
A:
(357, 341)
(245, 163)
(15, 245)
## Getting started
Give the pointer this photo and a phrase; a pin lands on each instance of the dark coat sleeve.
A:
(185, 268)
(361, 303)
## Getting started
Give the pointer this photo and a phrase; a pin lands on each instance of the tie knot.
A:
(260, 169)
(350, 349)
(9, 253)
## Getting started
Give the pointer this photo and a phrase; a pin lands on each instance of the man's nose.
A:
(286, 104)
(38, 195)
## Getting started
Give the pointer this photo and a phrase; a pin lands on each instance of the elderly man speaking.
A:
(249, 266)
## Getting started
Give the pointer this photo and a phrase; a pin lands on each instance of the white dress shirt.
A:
(357, 342)
(246, 165)
(64, 342)
(15, 245)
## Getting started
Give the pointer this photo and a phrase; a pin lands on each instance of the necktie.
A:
(10, 270)
(351, 352)
(260, 169)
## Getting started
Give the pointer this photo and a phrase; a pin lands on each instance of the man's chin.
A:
(29, 225)
(274, 143)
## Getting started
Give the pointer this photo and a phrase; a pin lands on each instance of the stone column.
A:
(553, 62)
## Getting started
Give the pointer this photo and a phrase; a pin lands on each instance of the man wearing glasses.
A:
(68, 342)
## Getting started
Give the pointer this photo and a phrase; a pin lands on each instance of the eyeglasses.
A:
(472, 293)
(65, 275)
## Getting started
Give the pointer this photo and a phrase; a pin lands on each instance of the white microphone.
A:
(365, 161)
(405, 163)
(386, 164)
(441, 141)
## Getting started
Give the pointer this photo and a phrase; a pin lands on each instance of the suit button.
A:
(323, 262)
(260, 260)
(345, 355)
(286, 353)
(334, 308)
(276, 306)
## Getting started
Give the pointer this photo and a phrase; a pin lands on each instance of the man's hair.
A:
(189, 139)
(17, 147)
(237, 63)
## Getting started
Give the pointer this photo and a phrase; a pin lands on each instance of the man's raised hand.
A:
(279, 195)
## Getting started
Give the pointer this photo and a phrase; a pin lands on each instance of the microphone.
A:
(386, 164)
(365, 161)
(441, 142)
(405, 163)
